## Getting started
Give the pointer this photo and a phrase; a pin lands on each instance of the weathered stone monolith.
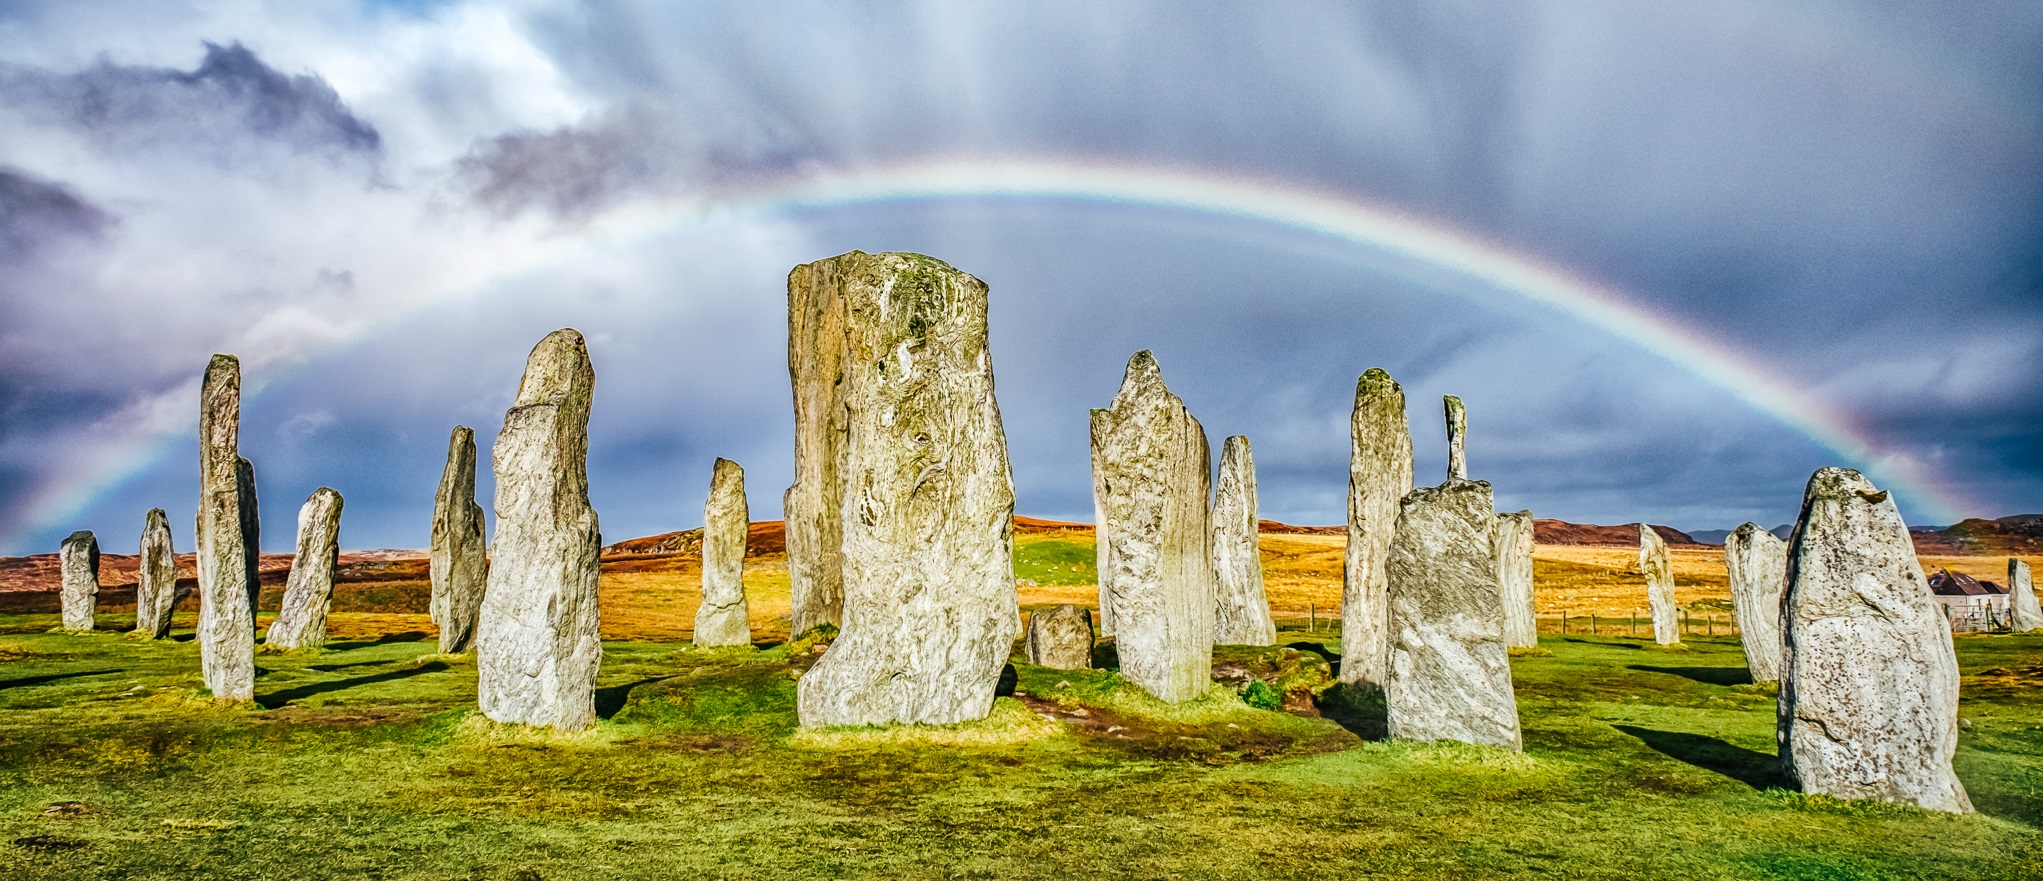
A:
(156, 578)
(251, 533)
(1659, 571)
(1060, 638)
(1869, 682)
(1512, 548)
(816, 331)
(459, 558)
(1241, 615)
(1449, 672)
(226, 632)
(2022, 598)
(1457, 429)
(1102, 546)
(930, 612)
(79, 560)
(1379, 476)
(1154, 472)
(537, 649)
(301, 618)
(726, 525)
(1757, 563)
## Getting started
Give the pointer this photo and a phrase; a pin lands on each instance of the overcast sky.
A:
(380, 207)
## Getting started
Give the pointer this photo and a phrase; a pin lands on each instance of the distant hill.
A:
(2021, 534)
(1561, 532)
(1716, 537)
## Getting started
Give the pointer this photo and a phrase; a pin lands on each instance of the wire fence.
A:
(1970, 619)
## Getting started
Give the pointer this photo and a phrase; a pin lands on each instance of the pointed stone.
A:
(459, 558)
(1659, 571)
(537, 649)
(1457, 428)
(1757, 562)
(726, 525)
(1512, 549)
(816, 339)
(1449, 675)
(156, 580)
(1869, 682)
(308, 594)
(930, 612)
(1060, 638)
(1241, 614)
(2022, 598)
(1102, 547)
(226, 633)
(1153, 465)
(1379, 476)
(251, 533)
(79, 558)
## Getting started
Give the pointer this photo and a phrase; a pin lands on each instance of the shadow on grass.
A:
(1333, 658)
(386, 639)
(1605, 642)
(1750, 767)
(27, 681)
(610, 700)
(1704, 675)
(1105, 655)
(1358, 708)
(333, 668)
(278, 699)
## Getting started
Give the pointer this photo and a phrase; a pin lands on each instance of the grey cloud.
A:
(35, 212)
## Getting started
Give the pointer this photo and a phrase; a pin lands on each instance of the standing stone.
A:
(301, 621)
(726, 524)
(1102, 547)
(1060, 638)
(79, 558)
(251, 533)
(156, 580)
(1757, 563)
(2022, 598)
(226, 616)
(459, 559)
(1457, 429)
(1659, 572)
(816, 345)
(1449, 672)
(1153, 471)
(1869, 683)
(536, 646)
(930, 612)
(1379, 476)
(1241, 616)
(1512, 549)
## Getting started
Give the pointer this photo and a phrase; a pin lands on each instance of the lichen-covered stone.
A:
(156, 578)
(1154, 464)
(537, 649)
(459, 559)
(1869, 682)
(1449, 676)
(2022, 598)
(1379, 476)
(930, 612)
(1512, 549)
(1659, 572)
(1457, 429)
(1241, 614)
(226, 633)
(722, 618)
(1757, 563)
(1060, 638)
(1102, 546)
(251, 533)
(816, 331)
(79, 561)
(308, 594)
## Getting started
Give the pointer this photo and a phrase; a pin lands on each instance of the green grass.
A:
(367, 760)
(1048, 559)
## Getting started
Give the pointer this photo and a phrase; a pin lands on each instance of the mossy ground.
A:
(367, 760)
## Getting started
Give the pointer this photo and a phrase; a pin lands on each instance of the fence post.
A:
(1311, 617)
(1592, 623)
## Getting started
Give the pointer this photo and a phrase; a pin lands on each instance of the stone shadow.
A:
(1751, 767)
(47, 678)
(1704, 675)
(1358, 708)
(610, 700)
(280, 698)
(385, 639)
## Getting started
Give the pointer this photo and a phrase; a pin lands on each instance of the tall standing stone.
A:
(726, 525)
(1241, 615)
(1512, 549)
(251, 533)
(2022, 598)
(1757, 562)
(1060, 638)
(1102, 544)
(1869, 682)
(308, 594)
(156, 578)
(930, 612)
(1457, 431)
(537, 649)
(1449, 672)
(816, 345)
(226, 616)
(1659, 571)
(1154, 466)
(1379, 476)
(459, 559)
(79, 559)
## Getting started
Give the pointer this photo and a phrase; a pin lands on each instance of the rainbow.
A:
(1496, 271)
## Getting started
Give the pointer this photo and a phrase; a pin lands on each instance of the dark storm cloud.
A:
(35, 212)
